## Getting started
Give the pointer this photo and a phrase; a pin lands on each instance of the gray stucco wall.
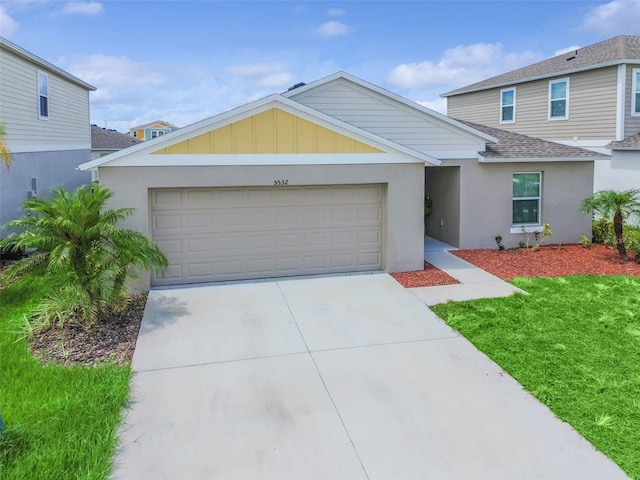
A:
(403, 223)
(486, 201)
(443, 187)
(49, 168)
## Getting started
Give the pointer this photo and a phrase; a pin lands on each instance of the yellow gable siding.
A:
(272, 131)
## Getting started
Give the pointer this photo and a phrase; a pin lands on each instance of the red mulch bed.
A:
(429, 277)
(549, 261)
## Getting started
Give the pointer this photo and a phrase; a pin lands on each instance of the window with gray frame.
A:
(43, 95)
(559, 99)
(635, 94)
(526, 198)
(508, 105)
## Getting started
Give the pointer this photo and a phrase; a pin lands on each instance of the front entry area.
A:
(238, 233)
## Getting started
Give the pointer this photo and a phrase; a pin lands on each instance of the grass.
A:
(60, 422)
(574, 343)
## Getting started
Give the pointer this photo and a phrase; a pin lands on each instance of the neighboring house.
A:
(331, 177)
(585, 98)
(46, 114)
(105, 141)
(151, 130)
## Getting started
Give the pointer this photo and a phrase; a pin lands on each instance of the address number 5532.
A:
(281, 182)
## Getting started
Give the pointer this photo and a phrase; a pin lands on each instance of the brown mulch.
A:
(551, 261)
(112, 340)
(429, 277)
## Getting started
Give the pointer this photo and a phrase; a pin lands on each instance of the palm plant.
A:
(620, 205)
(5, 154)
(75, 238)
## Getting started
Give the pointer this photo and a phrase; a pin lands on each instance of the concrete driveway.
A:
(347, 377)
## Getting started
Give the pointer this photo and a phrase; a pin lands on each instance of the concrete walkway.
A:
(474, 283)
(345, 377)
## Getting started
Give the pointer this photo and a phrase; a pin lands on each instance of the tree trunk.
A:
(617, 228)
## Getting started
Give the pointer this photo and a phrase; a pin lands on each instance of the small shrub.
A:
(602, 231)
(585, 241)
(521, 244)
(499, 243)
(537, 236)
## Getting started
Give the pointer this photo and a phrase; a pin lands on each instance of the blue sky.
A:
(183, 61)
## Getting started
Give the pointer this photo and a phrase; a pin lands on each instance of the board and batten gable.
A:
(68, 125)
(592, 107)
(381, 115)
(631, 122)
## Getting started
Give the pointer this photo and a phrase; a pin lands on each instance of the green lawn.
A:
(574, 343)
(60, 422)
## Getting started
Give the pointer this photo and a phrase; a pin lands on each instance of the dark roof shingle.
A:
(517, 146)
(630, 143)
(106, 139)
(608, 52)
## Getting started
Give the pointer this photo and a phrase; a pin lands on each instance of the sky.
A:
(184, 61)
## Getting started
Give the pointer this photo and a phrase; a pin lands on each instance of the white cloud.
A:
(7, 24)
(107, 71)
(81, 8)
(572, 48)
(619, 17)
(253, 70)
(331, 29)
(264, 76)
(335, 12)
(460, 66)
(439, 105)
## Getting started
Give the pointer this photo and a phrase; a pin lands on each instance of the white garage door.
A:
(219, 234)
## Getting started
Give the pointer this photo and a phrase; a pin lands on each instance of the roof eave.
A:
(483, 159)
(25, 54)
(463, 90)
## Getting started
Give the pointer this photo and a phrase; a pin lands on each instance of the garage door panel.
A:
(218, 234)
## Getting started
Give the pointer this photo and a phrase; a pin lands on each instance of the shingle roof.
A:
(106, 139)
(151, 124)
(517, 146)
(630, 143)
(613, 51)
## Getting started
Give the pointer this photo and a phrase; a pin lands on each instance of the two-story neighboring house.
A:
(151, 130)
(586, 98)
(45, 112)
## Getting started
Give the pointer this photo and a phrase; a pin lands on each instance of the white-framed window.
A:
(527, 189)
(43, 95)
(156, 133)
(635, 92)
(559, 99)
(508, 105)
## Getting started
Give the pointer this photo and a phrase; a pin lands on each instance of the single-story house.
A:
(331, 177)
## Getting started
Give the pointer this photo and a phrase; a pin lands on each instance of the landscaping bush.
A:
(74, 238)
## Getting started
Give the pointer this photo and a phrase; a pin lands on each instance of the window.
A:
(43, 95)
(508, 105)
(526, 198)
(635, 92)
(135, 134)
(559, 99)
(156, 133)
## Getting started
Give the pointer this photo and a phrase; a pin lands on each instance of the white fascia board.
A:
(454, 154)
(596, 158)
(630, 148)
(395, 97)
(542, 77)
(223, 160)
(253, 108)
(25, 54)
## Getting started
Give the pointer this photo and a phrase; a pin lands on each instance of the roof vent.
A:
(297, 85)
(575, 54)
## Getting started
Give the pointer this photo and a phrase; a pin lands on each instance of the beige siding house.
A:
(331, 177)
(585, 98)
(45, 111)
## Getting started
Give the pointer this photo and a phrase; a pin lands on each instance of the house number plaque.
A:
(281, 182)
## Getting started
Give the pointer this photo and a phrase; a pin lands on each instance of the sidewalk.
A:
(474, 283)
